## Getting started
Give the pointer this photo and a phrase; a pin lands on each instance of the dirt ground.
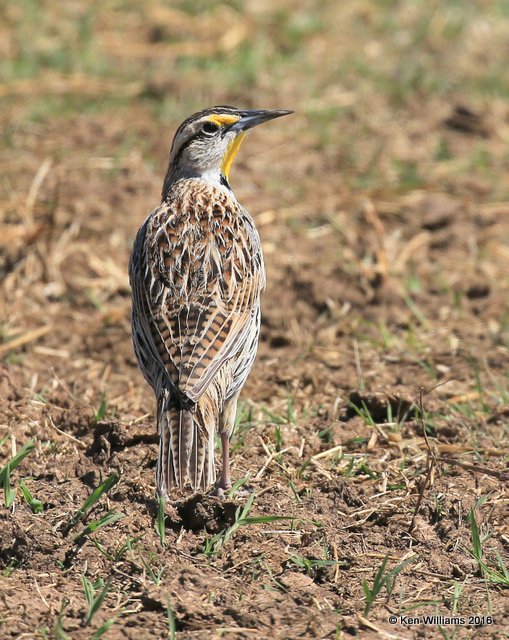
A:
(372, 432)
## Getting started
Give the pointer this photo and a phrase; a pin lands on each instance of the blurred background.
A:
(383, 206)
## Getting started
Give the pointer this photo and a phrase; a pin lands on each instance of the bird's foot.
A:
(220, 489)
(222, 492)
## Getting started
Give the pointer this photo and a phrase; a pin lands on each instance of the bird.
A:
(196, 274)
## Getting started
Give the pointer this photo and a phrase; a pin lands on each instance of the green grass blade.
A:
(247, 508)
(501, 565)
(16, 460)
(101, 411)
(393, 573)
(298, 560)
(94, 497)
(102, 550)
(99, 491)
(98, 602)
(94, 602)
(91, 527)
(88, 588)
(378, 582)
(309, 564)
(172, 627)
(9, 492)
(494, 576)
(103, 628)
(59, 631)
(237, 485)
(294, 491)
(36, 506)
(367, 592)
(475, 536)
(262, 519)
(155, 577)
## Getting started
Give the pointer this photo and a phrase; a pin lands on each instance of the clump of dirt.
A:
(206, 512)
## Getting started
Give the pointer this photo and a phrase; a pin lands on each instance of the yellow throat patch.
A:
(230, 154)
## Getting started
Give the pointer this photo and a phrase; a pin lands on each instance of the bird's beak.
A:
(249, 119)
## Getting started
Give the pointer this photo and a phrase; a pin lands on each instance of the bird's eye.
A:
(210, 128)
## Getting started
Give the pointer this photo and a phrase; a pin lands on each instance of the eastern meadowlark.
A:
(196, 273)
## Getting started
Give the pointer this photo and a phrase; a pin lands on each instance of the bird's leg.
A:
(224, 483)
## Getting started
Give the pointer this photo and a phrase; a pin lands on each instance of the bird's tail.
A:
(186, 451)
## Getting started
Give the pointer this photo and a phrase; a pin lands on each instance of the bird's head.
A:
(206, 144)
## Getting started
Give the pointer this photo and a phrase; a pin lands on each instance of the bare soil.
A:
(375, 297)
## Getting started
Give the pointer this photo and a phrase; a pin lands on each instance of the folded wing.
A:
(196, 286)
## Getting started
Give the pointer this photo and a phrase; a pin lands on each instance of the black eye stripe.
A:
(200, 135)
